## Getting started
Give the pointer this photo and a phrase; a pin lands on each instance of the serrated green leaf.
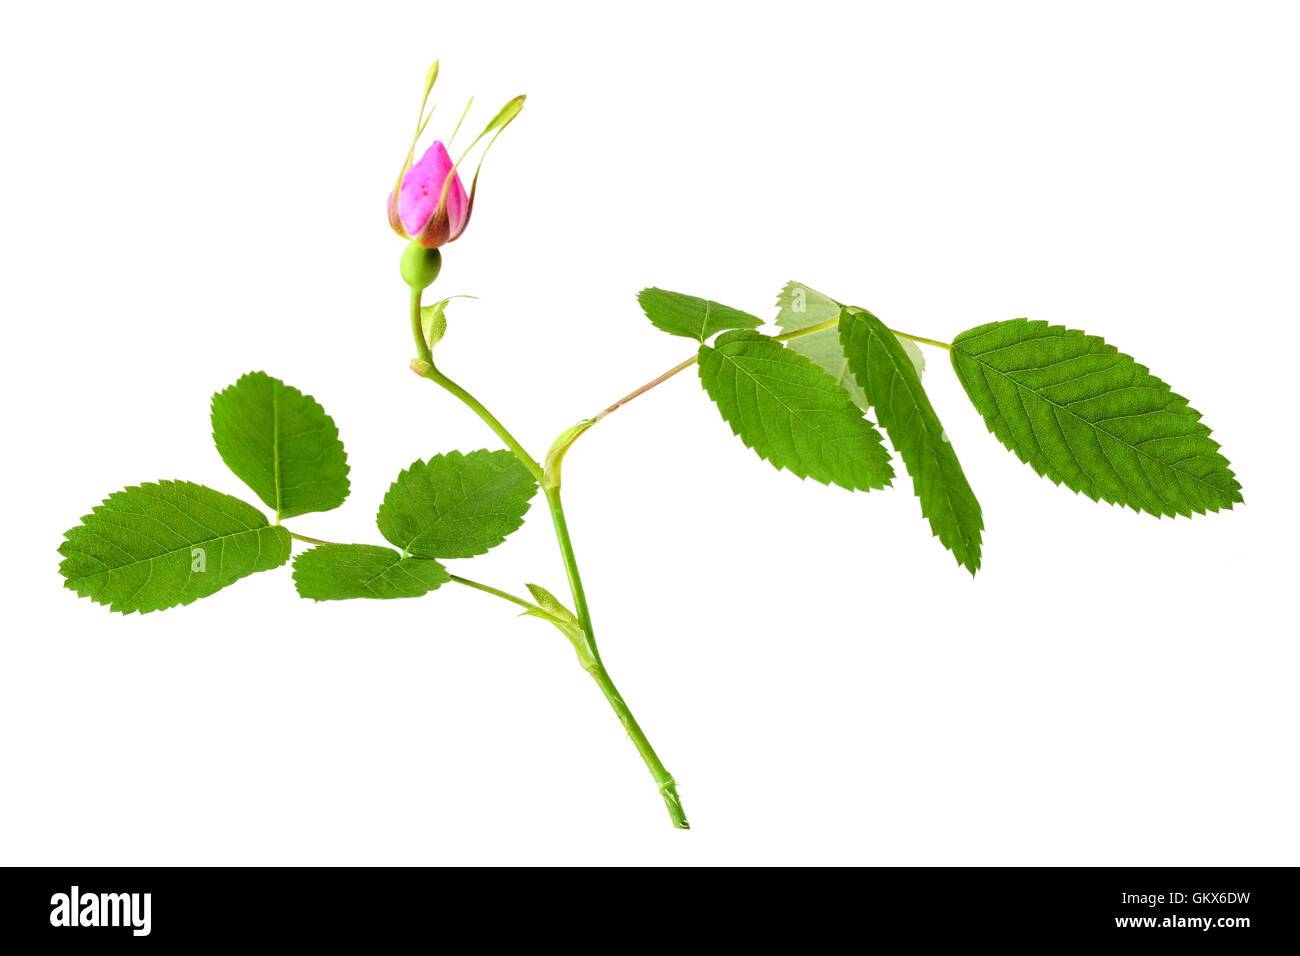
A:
(885, 372)
(792, 413)
(800, 307)
(281, 444)
(1087, 416)
(456, 505)
(690, 316)
(155, 546)
(337, 572)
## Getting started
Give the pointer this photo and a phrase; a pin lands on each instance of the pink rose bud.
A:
(432, 205)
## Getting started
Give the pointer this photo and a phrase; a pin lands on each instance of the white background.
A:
(193, 192)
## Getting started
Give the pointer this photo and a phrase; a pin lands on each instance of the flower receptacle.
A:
(420, 266)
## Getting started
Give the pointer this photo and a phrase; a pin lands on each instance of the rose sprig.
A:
(1071, 406)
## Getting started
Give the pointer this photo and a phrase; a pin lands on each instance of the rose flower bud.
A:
(430, 204)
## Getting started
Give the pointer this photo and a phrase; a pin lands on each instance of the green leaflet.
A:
(281, 444)
(1086, 415)
(688, 316)
(335, 572)
(887, 374)
(154, 546)
(800, 307)
(792, 413)
(456, 505)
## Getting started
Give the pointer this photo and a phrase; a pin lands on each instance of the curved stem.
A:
(431, 372)
(550, 483)
(489, 419)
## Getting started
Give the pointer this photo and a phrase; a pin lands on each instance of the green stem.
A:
(432, 372)
(550, 483)
(644, 388)
(488, 589)
(808, 330)
(667, 785)
(417, 327)
(571, 567)
(303, 537)
(922, 339)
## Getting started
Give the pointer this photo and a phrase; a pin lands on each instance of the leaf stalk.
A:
(694, 359)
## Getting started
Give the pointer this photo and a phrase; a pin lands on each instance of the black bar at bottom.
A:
(1228, 908)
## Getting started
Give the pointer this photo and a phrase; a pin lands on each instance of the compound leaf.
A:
(800, 307)
(887, 374)
(155, 546)
(691, 317)
(792, 413)
(281, 444)
(456, 505)
(1087, 416)
(336, 572)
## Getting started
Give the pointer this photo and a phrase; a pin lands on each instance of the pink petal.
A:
(422, 186)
